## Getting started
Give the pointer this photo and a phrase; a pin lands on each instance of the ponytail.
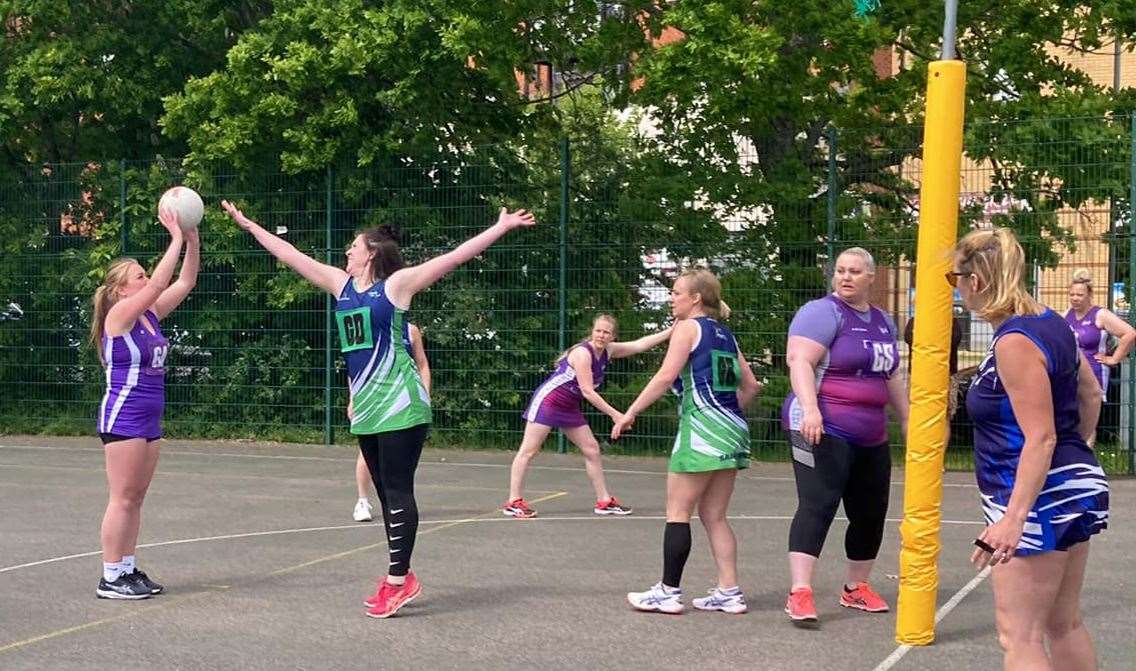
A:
(704, 283)
(383, 242)
(996, 257)
(105, 298)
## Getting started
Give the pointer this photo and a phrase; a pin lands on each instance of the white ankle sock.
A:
(112, 570)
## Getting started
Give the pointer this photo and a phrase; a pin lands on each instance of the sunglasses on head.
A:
(953, 278)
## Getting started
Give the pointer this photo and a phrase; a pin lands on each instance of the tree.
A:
(81, 89)
(751, 99)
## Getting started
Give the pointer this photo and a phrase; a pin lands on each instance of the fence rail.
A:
(253, 349)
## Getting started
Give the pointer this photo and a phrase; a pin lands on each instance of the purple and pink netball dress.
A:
(851, 378)
(136, 382)
(556, 402)
(1091, 340)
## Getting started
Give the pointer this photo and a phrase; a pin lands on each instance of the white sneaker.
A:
(658, 599)
(718, 600)
(362, 511)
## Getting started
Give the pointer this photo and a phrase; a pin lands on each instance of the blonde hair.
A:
(996, 257)
(704, 283)
(863, 254)
(1083, 277)
(604, 316)
(105, 297)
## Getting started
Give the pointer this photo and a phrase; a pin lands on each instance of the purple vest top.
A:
(1090, 339)
(852, 379)
(135, 377)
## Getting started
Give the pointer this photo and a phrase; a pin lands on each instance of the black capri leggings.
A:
(392, 457)
(836, 471)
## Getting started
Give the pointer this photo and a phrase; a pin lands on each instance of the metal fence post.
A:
(830, 247)
(562, 321)
(124, 225)
(1131, 294)
(328, 317)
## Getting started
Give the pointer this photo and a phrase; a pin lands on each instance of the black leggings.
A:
(831, 472)
(392, 457)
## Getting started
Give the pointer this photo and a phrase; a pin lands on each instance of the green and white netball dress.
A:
(712, 432)
(386, 388)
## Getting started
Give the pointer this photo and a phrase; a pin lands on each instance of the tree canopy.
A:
(726, 132)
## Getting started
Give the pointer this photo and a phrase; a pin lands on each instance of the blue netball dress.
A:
(1073, 503)
(712, 430)
(135, 397)
(386, 388)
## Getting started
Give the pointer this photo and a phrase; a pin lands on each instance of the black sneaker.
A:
(124, 586)
(155, 588)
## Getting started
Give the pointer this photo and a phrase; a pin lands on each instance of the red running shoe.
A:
(611, 507)
(392, 597)
(801, 608)
(380, 594)
(518, 508)
(863, 597)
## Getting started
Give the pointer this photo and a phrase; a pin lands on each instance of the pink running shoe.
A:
(388, 601)
(801, 607)
(864, 598)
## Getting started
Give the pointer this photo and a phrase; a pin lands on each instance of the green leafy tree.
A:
(81, 89)
(750, 101)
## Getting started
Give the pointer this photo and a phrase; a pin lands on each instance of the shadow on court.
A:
(265, 570)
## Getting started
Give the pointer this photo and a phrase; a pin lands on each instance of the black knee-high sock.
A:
(676, 548)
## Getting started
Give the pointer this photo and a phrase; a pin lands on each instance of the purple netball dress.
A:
(851, 379)
(135, 375)
(556, 402)
(1091, 340)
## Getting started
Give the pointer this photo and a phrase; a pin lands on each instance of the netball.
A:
(186, 203)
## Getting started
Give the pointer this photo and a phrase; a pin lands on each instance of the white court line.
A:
(472, 464)
(463, 520)
(945, 610)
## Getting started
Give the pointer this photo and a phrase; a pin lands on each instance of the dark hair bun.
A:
(390, 232)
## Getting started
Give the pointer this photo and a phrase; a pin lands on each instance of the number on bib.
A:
(725, 370)
(883, 357)
(158, 357)
(354, 329)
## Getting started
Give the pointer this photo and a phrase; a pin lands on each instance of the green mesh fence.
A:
(251, 357)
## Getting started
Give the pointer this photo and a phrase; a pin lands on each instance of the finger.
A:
(974, 556)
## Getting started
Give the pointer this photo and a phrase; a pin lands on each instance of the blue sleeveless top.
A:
(1075, 486)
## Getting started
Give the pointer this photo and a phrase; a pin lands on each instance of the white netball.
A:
(186, 203)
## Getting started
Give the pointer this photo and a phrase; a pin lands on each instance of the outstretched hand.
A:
(516, 219)
(169, 219)
(234, 212)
